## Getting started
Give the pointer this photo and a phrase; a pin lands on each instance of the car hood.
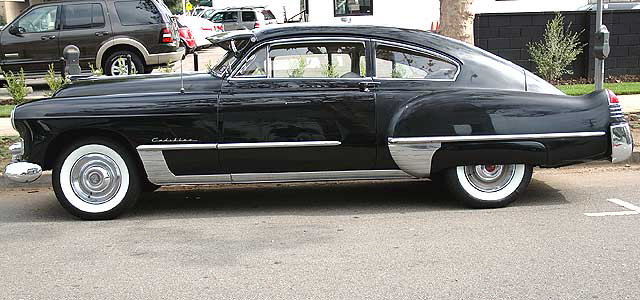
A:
(139, 84)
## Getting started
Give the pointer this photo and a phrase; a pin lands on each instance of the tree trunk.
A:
(456, 19)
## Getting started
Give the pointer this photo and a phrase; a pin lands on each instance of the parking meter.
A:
(71, 56)
(601, 47)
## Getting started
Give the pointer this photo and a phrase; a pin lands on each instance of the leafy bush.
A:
(297, 68)
(53, 80)
(95, 71)
(557, 50)
(16, 85)
(329, 71)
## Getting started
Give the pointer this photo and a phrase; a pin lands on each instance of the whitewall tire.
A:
(96, 179)
(488, 186)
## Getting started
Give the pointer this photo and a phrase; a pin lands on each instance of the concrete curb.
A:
(45, 180)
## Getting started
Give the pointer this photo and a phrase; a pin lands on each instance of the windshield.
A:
(224, 65)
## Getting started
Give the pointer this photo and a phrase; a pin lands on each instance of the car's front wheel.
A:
(488, 186)
(96, 179)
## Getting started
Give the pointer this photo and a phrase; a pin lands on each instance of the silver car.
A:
(242, 18)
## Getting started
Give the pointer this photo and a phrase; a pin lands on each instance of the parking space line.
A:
(632, 209)
(613, 213)
(625, 204)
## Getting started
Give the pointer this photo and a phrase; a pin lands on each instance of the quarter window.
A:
(78, 16)
(343, 8)
(140, 12)
(248, 16)
(399, 63)
(41, 19)
(317, 60)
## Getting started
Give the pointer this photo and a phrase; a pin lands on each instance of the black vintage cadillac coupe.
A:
(311, 103)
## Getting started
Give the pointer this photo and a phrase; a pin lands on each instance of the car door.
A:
(228, 19)
(248, 19)
(299, 106)
(85, 26)
(406, 72)
(31, 42)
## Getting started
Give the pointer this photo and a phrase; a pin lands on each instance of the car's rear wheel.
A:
(118, 64)
(96, 179)
(488, 186)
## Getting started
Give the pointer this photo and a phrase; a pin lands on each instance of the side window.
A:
(392, 62)
(317, 60)
(138, 12)
(248, 16)
(256, 65)
(79, 16)
(41, 19)
(207, 13)
(225, 16)
(342, 8)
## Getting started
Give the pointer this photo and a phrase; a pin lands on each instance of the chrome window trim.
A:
(284, 41)
(501, 137)
(420, 50)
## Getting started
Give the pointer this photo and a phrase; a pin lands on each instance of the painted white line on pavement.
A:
(625, 204)
(613, 213)
(632, 209)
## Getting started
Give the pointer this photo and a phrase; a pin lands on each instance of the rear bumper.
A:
(165, 58)
(621, 142)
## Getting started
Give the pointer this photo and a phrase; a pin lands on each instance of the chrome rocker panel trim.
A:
(621, 143)
(158, 172)
(415, 154)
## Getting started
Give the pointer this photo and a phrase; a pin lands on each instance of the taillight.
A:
(612, 97)
(615, 110)
(256, 25)
(166, 36)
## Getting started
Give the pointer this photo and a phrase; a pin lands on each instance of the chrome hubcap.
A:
(95, 178)
(490, 178)
(119, 66)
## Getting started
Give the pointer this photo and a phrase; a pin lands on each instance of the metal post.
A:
(599, 63)
(129, 67)
(195, 61)
(63, 67)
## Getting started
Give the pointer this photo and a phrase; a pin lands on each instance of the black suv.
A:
(106, 31)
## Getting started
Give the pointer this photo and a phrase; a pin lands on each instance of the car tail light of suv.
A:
(166, 36)
(257, 25)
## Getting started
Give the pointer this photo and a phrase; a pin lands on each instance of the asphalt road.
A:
(366, 240)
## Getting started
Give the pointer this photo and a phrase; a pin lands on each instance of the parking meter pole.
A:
(195, 61)
(129, 64)
(599, 63)
(63, 66)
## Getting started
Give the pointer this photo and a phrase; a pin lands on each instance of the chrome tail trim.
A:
(499, 137)
(621, 143)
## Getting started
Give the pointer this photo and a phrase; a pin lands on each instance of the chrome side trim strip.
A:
(162, 147)
(502, 137)
(277, 145)
(318, 176)
(158, 172)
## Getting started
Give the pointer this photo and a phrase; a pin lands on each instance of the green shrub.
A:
(556, 51)
(329, 71)
(53, 80)
(16, 85)
(297, 68)
(95, 71)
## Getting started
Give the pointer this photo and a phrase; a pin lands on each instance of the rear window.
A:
(268, 15)
(139, 12)
(79, 16)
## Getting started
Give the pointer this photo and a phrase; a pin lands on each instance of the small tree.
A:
(557, 50)
(53, 80)
(16, 85)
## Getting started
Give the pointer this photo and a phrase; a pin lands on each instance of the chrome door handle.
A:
(368, 86)
(47, 37)
(102, 33)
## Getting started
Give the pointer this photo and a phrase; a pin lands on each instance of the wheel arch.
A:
(121, 44)
(57, 145)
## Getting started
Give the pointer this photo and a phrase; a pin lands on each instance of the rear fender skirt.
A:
(423, 156)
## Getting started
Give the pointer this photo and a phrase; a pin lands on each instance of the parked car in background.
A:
(186, 38)
(243, 18)
(310, 103)
(204, 12)
(105, 31)
(200, 29)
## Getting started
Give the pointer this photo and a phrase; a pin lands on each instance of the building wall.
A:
(9, 9)
(507, 35)
(502, 6)
(398, 13)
